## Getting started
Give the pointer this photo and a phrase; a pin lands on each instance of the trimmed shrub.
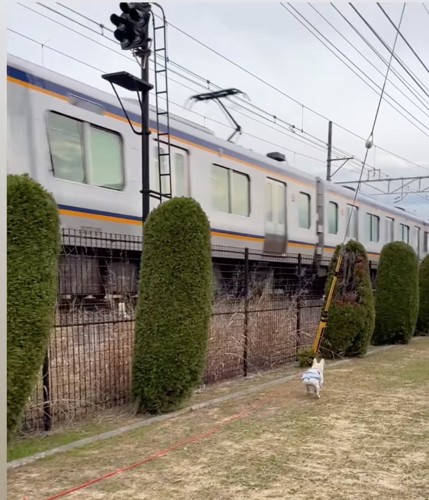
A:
(174, 306)
(423, 317)
(351, 315)
(397, 294)
(33, 244)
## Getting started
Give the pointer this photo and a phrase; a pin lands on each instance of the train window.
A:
(82, 152)
(352, 222)
(239, 193)
(179, 175)
(269, 201)
(304, 213)
(375, 228)
(281, 203)
(405, 233)
(106, 159)
(390, 229)
(65, 136)
(275, 202)
(231, 191)
(154, 170)
(417, 240)
(332, 217)
(372, 227)
(426, 242)
(220, 183)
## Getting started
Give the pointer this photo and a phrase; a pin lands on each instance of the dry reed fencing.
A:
(262, 314)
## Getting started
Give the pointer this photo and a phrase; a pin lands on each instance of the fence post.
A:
(47, 408)
(371, 274)
(298, 306)
(246, 310)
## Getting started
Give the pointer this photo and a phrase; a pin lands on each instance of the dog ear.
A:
(314, 361)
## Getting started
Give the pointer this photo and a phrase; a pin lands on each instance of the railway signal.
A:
(132, 31)
(132, 26)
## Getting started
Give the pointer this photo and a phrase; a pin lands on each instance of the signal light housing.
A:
(132, 26)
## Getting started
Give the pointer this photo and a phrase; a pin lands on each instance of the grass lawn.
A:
(367, 437)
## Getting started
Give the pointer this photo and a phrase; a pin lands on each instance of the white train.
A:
(75, 141)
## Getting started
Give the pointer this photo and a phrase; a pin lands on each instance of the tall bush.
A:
(423, 317)
(33, 243)
(397, 294)
(351, 315)
(174, 305)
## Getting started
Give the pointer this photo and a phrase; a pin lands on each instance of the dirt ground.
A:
(366, 438)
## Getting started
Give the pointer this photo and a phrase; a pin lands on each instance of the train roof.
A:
(400, 212)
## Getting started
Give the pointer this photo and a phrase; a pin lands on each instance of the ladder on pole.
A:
(161, 92)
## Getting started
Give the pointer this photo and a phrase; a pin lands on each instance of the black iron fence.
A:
(264, 309)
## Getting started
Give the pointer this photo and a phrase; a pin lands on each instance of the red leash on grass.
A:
(161, 453)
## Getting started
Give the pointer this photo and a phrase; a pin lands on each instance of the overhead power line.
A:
(176, 104)
(293, 136)
(354, 71)
(183, 32)
(418, 96)
(290, 129)
(403, 38)
(368, 60)
(205, 82)
(398, 59)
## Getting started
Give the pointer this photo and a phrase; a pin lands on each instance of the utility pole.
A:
(329, 159)
(144, 54)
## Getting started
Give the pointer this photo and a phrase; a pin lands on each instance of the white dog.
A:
(313, 378)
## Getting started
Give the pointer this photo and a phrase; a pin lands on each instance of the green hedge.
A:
(397, 294)
(351, 315)
(33, 244)
(423, 317)
(174, 306)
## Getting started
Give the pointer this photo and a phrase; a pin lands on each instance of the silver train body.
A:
(75, 141)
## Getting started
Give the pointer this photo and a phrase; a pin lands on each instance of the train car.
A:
(373, 224)
(75, 140)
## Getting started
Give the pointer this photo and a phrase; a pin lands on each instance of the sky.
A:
(290, 78)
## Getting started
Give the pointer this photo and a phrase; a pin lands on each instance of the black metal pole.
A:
(329, 160)
(298, 305)
(47, 409)
(246, 311)
(144, 103)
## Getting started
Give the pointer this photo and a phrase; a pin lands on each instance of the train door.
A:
(275, 217)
